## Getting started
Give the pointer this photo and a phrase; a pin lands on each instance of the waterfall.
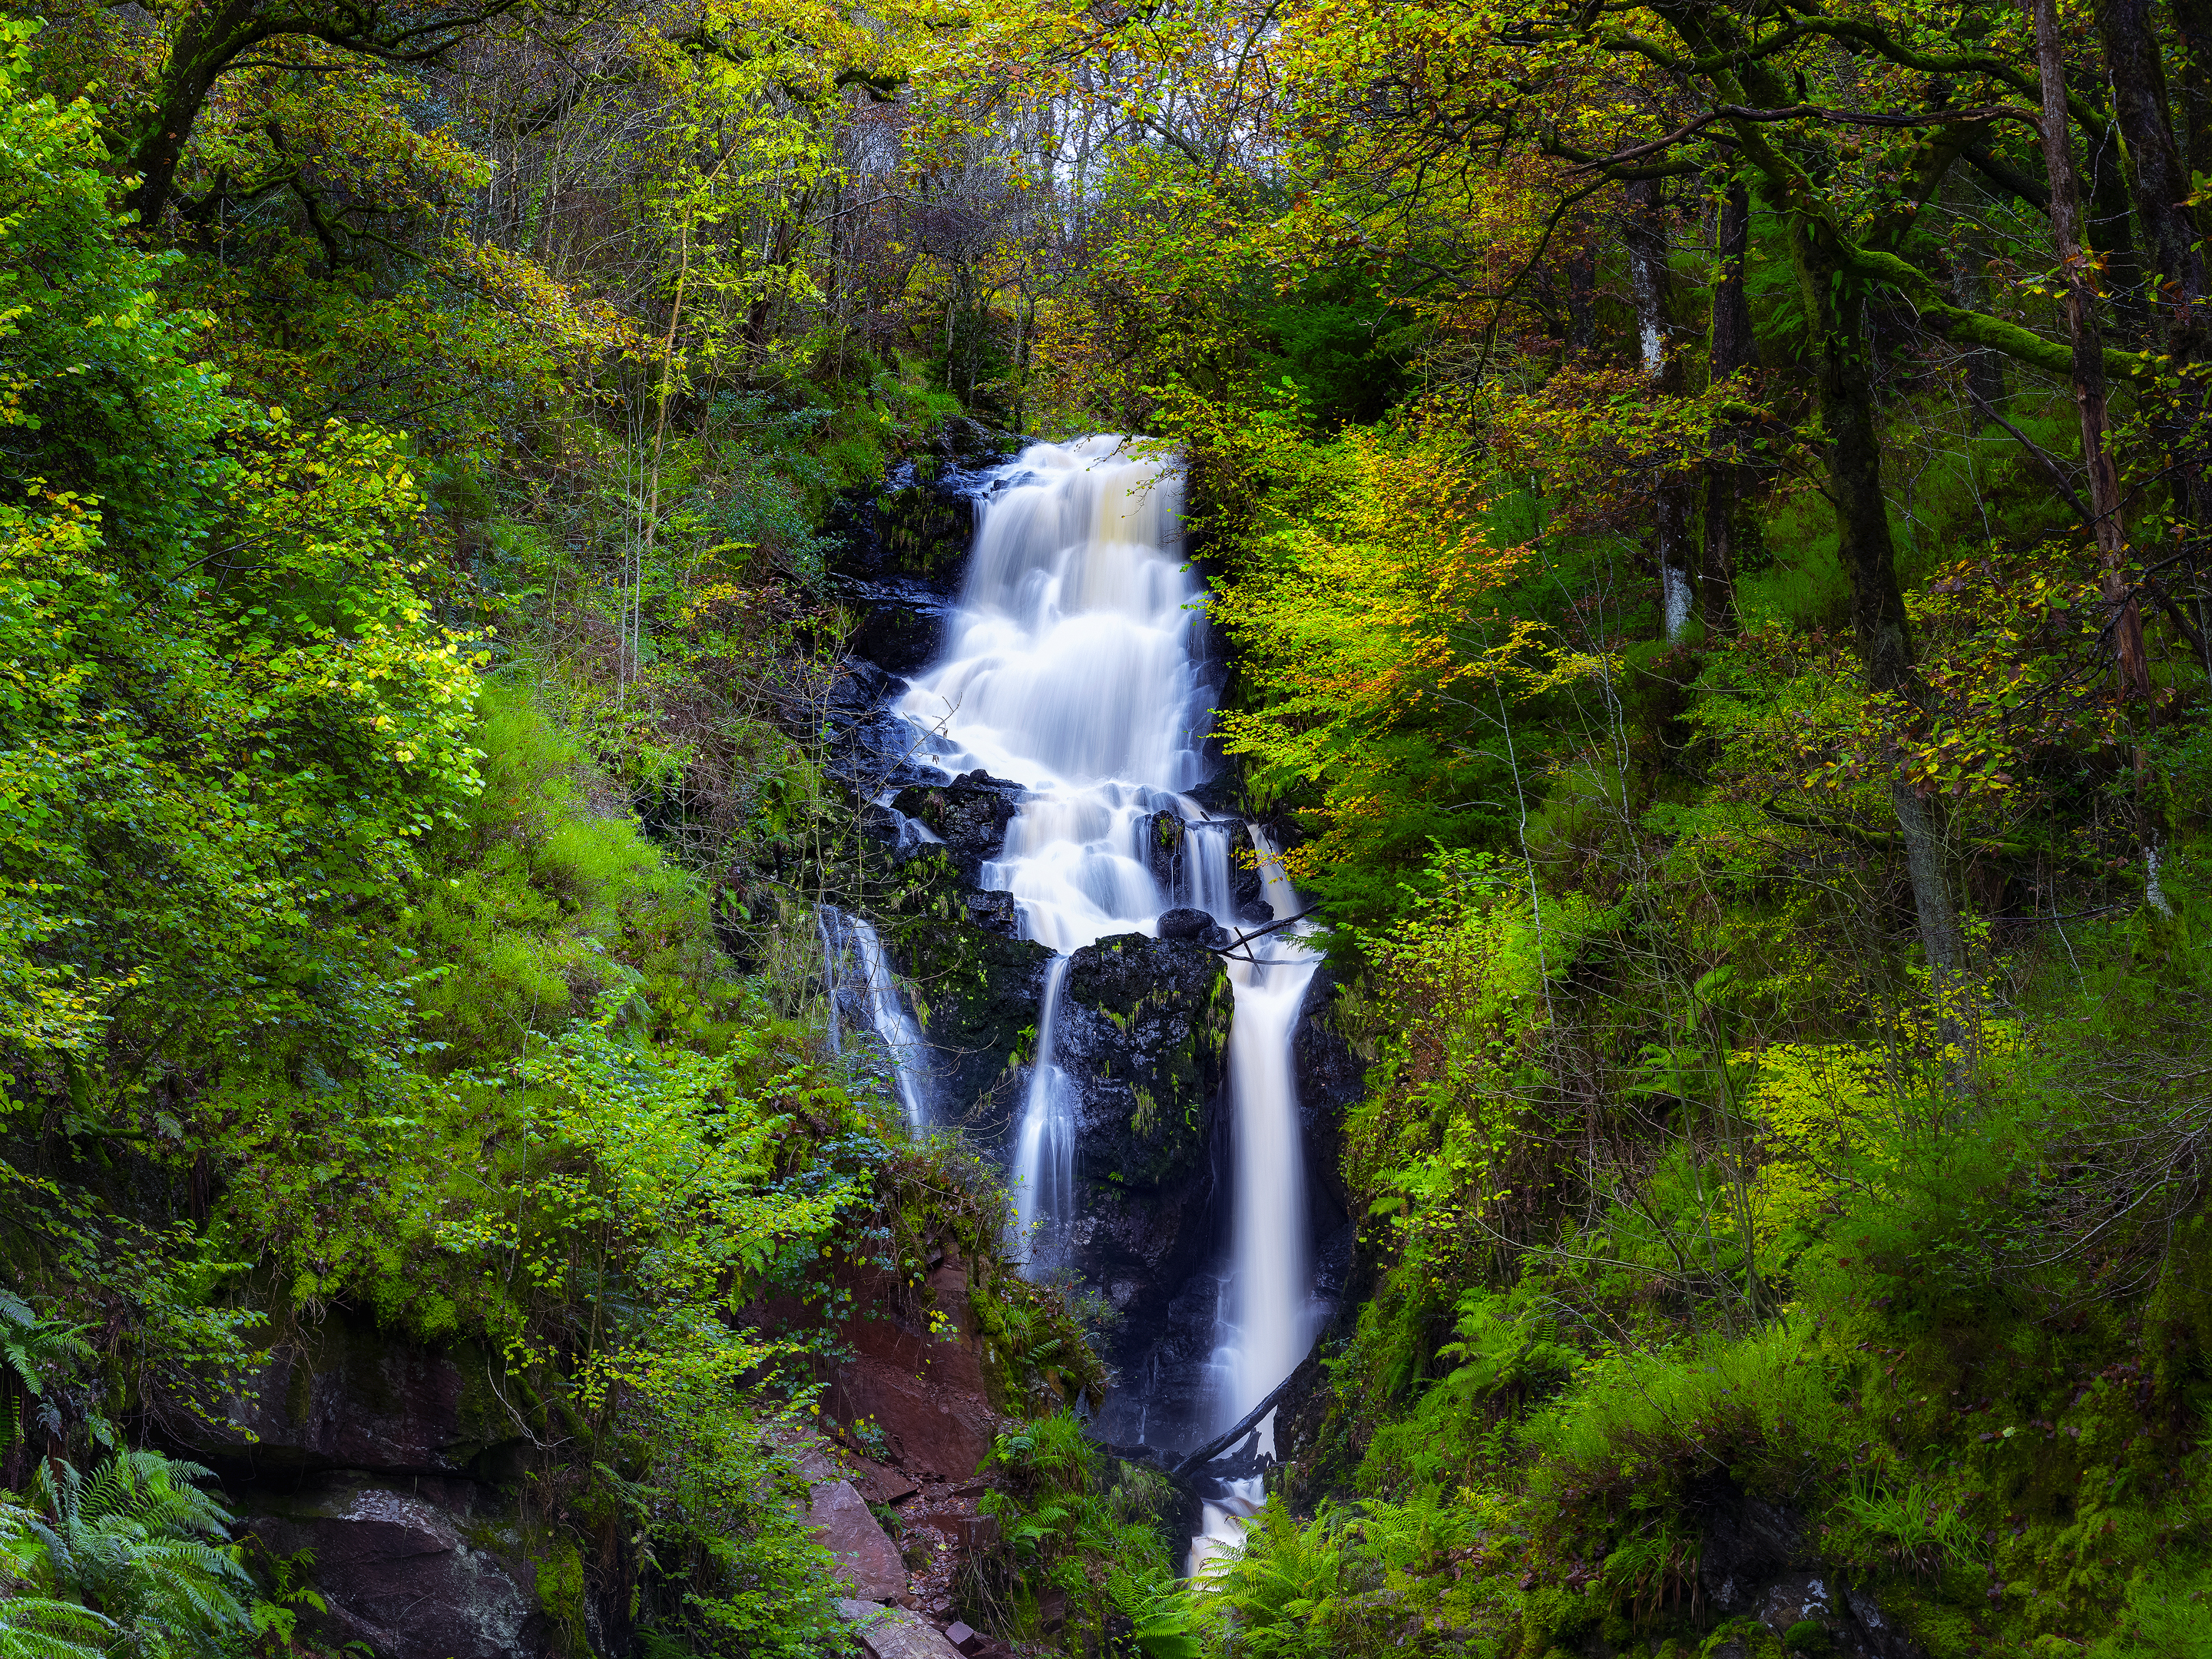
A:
(1044, 1152)
(868, 976)
(1271, 1268)
(1265, 1321)
(1072, 665)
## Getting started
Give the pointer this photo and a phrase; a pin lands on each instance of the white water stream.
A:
(1072, 665)
(856, 960)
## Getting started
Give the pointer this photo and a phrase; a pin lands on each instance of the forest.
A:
(1696, 522)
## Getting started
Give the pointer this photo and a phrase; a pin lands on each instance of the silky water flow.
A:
(1072, 666)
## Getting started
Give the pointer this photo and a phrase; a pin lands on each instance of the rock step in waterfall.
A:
(1051, 750)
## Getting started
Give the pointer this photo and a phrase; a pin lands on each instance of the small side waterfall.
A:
(1266, 1313)
(1271, 1266)
(1044, 1151)
(858, 966)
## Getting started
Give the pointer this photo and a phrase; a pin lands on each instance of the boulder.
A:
(1194, 925)
(895, 1633)
(410, 1571)
(969, 815)
(1142, 1033)
(866, 1559)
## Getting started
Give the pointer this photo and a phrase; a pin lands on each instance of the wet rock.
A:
(969, 815)
(866, 1559)
(1248, 887)
(895, 1633)
(1331, 1077)
(994, 911)
(924, 521)
(411, 1571)
(856, 686)
(1165, 835)
(1221, 794)
(1746, 1543)
(1195, 926)
(898, 622)
(1143, 1034)
(976, 986)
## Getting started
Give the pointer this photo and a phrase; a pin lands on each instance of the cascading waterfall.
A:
(1044, 1150)
(1071, 666)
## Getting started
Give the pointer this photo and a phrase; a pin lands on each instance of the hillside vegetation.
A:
(1706, 507)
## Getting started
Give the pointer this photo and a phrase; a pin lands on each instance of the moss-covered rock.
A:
(1144, 1033)
(975, 988)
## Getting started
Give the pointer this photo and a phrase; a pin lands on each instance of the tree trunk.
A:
(2192, 24)
(1731, 347)
(206, 43)
(2111, 233)
(2128, 653)
(2162, 180)
(1844, 386)
(1645, 235)
(2089, 398)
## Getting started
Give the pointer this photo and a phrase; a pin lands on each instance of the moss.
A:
(561, 1594)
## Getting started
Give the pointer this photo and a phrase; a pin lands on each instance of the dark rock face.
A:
(995, 913)
(1195, 926)
(1756, 1563)
(976, 987)
(1248, 886)
(969, 815)
(857, 686)
(1330, 1079)
(1746, 1542)
(344, 1396)
(1144, 1032)
(899, 621)
(413, 1569)
(921, 523)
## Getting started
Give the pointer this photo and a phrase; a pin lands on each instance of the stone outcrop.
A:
(975, 986)
(920, 524)
(1143, 1034)
(1165, 835)
(894, 1633)
(342, 1395)
(418, 1569)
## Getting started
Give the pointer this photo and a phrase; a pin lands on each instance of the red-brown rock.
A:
(894, 1633)
(866, 1559)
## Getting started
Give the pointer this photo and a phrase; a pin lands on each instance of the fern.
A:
(138, 1540)
(38, 1627)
